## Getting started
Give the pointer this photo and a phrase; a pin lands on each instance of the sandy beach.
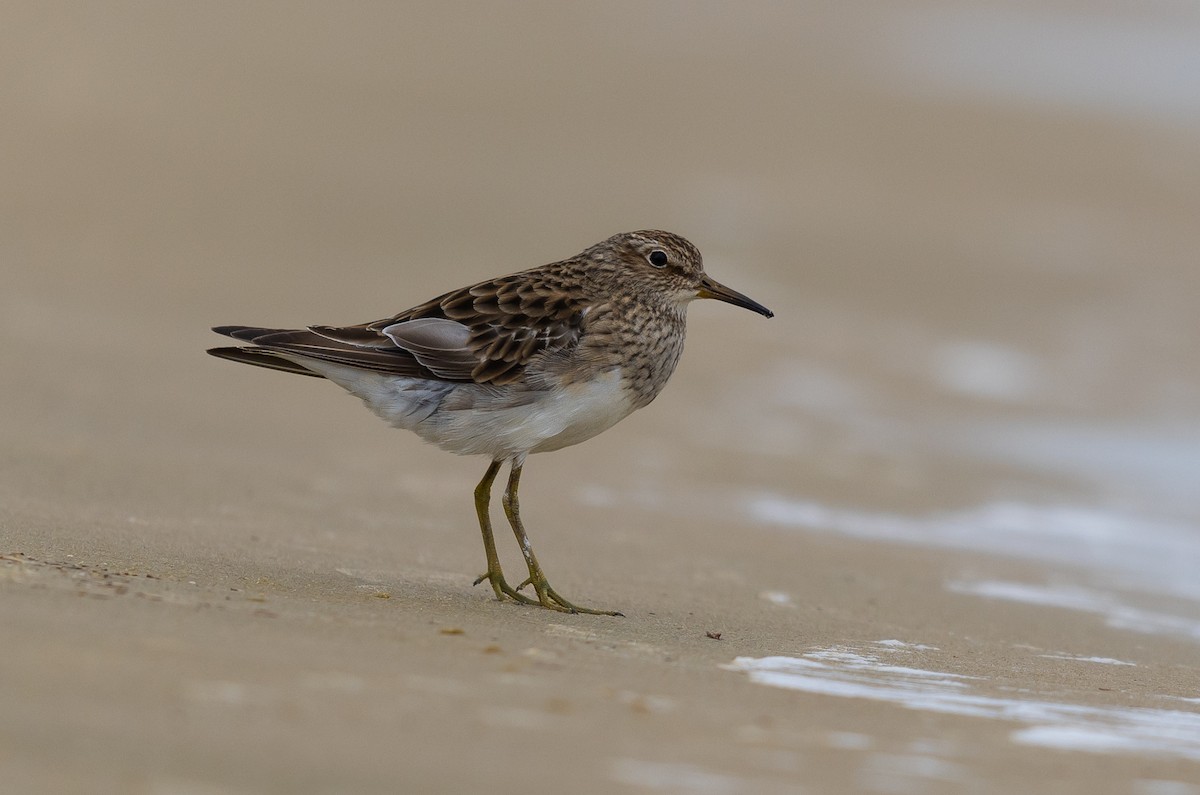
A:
(933, 528)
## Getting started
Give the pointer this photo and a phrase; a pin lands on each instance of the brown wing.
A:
(486, 333)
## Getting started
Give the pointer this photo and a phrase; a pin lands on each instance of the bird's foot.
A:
(548, 597)
(503, 589)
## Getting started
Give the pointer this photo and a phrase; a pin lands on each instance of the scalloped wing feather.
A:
(487, 333)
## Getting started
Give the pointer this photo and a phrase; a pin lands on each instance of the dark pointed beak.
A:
(711, 288)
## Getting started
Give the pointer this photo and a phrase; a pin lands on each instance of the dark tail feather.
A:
(259, 357)
(247, 333)
(277, 343)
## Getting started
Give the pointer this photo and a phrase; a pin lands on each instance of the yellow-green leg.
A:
(483, 495)
(547, 596)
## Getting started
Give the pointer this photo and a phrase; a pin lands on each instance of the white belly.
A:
(550, 421)
(581, 411)
(470, 419)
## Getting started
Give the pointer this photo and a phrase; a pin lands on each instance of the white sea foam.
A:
(1149, 465)
(1076, 658)
(1116, 614)
(849, 673)
(1152, 555)
(899, 645)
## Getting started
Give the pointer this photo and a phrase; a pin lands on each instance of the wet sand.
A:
(928, 530)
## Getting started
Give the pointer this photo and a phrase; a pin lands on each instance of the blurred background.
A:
(976, 223)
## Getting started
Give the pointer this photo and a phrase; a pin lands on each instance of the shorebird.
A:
(526, 363)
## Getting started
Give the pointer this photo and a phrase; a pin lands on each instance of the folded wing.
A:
(487, 334)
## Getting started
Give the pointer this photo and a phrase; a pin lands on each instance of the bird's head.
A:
(667, 265)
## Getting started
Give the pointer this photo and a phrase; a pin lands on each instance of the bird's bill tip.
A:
(711, 288)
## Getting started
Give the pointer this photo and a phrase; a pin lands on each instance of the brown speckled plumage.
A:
(525, 363)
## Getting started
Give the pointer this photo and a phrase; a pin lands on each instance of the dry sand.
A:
(218, 579)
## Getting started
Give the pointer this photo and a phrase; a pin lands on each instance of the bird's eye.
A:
(658, 258)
